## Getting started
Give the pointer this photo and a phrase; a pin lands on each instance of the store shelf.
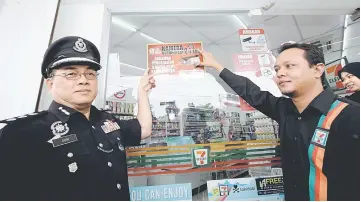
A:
(265, 125)
(165, 121)
(169, 135)
(239, 173)
(121, 114)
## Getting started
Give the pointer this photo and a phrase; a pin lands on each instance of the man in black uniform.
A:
(320, 163)
(73, 151)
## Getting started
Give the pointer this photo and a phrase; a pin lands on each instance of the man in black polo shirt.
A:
(320, 163)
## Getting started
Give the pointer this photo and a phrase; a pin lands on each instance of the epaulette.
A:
(105, 110)
(24, 117)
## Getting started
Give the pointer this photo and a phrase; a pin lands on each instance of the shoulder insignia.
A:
(23, 117)
(105, 110)
(2, 125)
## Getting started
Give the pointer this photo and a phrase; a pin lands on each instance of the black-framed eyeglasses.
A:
(77, 75)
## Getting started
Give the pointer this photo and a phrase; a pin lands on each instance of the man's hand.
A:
(144, 116)
(147, 81)
(210, 61)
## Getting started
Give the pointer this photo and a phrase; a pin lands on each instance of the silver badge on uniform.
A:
(110, 126)
(80, 46)
(73, 167)
(121, 147)
(59, 129)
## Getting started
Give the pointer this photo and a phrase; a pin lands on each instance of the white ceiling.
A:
(219, 34)
(280, 7)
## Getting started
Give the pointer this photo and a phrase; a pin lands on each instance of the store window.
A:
(194, 106)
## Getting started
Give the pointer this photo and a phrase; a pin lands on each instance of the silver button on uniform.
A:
(118, 138)
(100, 145)
(299, 118)
(93, 127)
(119, 186)
(70, 155)
(110, 164)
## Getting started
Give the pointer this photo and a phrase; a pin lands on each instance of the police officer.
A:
(73, 151)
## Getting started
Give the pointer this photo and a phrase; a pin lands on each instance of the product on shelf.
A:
(265, 127)
(200, 124)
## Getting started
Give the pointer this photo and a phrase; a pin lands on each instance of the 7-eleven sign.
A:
(200, 157)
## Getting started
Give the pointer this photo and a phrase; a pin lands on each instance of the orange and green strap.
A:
(316, 152)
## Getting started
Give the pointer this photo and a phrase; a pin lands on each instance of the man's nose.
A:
(82, 79)
(280, 72)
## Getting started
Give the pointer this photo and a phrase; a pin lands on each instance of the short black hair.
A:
(313, 54)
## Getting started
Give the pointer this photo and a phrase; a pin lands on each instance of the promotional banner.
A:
(332, 77)
(123, 95)
(169, 192)
(252, 61)
(175, 58)
(333, 80)
(246, 189)
(253, 40)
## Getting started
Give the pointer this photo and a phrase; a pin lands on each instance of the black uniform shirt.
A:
(91, 168)
(342, 156)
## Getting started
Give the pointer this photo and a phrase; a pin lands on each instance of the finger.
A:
(148, 88)
(201, 51)
(201, 64)
(151, 77)
(147, 72)
(152, 80)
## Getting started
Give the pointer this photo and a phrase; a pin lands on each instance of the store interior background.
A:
(130, 35)
(123, 50)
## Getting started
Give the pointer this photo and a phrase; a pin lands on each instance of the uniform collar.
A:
(323, 101)
(61, 111)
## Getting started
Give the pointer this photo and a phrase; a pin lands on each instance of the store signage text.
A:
(172, 192)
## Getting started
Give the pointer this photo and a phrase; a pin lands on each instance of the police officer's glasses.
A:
(77, 75)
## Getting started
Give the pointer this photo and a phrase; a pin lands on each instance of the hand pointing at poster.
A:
(210, 61)
(147, 81)
(144, 115)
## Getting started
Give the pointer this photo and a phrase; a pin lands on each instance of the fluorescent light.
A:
(150, 38)
(123, 24)
(258, 11)
(132, 66)
(346, 18)
(240, 21)
(130, 27)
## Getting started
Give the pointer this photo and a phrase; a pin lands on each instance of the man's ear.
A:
(49, 83)
(319, 69)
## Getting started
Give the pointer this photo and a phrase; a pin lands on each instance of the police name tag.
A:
(64, 140)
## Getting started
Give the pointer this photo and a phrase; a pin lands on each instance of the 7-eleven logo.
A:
(201, 156)
(320, 137)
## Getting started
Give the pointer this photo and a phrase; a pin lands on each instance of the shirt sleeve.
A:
(263, 101)
(346, 156)
(15, 178)
(131, 131)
